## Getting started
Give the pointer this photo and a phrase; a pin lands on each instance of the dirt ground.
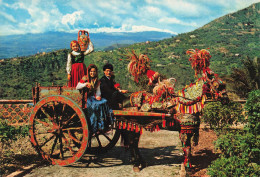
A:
(203, 154)
(161, 150)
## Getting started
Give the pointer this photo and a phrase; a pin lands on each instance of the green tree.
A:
(245, 79)
(219, 116)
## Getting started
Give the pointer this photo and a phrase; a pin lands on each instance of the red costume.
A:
(75, 64)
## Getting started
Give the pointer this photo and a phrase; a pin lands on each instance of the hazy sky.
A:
(174, 16)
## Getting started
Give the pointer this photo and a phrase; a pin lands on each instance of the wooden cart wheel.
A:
(101, 142)
(59, 130)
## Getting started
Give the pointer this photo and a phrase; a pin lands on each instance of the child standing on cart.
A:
(76, 68)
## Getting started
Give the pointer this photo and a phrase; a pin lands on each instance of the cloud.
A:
(10, 29)
(114, 6)
(176, 21)
(114, 15)
(236, 4)
(148, 28)
(153, 10)
(147, 13)
(42, 16)
(8, 17)
(103, 13)
(96, 24)
(183, 8)
(180, 8)
(129, 28)
(72, 18)
(232, 6)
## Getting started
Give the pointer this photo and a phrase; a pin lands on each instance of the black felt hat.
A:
(108, 66)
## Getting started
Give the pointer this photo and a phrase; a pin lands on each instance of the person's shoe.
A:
(136, 168)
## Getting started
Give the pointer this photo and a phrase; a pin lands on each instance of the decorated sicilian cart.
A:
(61, 132)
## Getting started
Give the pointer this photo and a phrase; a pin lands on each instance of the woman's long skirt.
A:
(99, 114)
(78, 70)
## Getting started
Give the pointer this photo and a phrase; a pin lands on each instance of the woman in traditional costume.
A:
(76, 68)
(97, 108)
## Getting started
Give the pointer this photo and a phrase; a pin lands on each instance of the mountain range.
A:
(29, 44)
(230, 39)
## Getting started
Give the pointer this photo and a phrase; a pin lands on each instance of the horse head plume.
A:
(199, 59)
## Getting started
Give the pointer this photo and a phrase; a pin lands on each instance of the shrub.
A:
(252, 108)
(233, 166)
(242, 144)
(240, 149)
(8, 132)
(219, 116)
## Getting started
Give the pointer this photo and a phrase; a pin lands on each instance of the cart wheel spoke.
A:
(46, 141)
(55, 117)
(53, 145)
(72, 128)
(47, 115)
(89, 143)
(69, 120)
(109, 139)
(68, 144)
(56, 112)
(102, 142)
(63, 112)
(43, 123)
(61, 148)
(59, 113)
(52, 105)
(73, 137)
(98, 140)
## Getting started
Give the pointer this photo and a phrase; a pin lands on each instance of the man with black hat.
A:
(113, 95)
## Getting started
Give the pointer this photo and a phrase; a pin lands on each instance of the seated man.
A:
(113, 95)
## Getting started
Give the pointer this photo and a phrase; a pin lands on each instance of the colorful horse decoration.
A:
(140, 66)
(184, 105)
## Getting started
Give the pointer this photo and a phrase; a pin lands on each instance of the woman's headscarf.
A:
(73, 42)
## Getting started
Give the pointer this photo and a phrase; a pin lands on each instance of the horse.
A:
(185, 107)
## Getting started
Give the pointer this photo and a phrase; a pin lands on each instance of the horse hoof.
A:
(144, 164)
(136, 169)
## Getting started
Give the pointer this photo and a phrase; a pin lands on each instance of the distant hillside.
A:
(30, 44)
(115, 46)
(230, 39)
